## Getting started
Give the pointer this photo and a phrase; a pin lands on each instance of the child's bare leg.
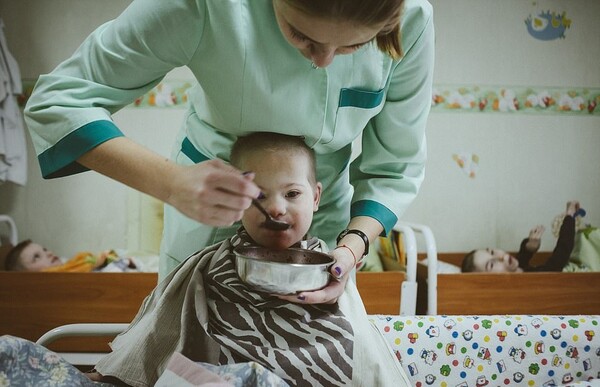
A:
(534, 239)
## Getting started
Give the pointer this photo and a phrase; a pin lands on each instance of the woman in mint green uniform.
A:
(261, 65)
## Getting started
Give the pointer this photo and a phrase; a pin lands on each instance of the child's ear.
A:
(317, 196)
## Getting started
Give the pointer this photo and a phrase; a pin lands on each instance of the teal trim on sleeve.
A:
(360, 98)
(61, 159)
(188, 149)
(377, 211)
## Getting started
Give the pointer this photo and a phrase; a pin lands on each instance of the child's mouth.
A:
(273, 230)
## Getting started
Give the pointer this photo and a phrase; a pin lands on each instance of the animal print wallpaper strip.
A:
(579, 101)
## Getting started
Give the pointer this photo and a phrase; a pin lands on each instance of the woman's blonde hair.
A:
(364, 12)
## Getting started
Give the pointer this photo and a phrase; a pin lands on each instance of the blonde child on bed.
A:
(499, 261)
(31, 256)
(203, 310)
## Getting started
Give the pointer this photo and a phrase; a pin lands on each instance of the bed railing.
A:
(13, 235)
(81, 330)
(408, 300)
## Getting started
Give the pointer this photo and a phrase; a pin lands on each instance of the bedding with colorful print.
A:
(519, 350)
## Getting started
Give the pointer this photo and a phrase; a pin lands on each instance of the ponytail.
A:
(391, 43)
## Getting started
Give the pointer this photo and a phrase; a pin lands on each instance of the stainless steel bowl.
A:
(287, 271)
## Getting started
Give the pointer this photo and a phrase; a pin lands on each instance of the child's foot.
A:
(535, 237)
(572, 207)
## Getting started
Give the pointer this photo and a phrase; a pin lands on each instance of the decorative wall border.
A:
(578, 101)
(513, 99)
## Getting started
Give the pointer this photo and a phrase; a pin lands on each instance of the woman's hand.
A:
(212, 192)
(340, 271)
(350, 249)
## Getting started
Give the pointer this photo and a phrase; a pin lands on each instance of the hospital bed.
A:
(534, 350)
(554, 293)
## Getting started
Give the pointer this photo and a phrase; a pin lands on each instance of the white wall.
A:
(87, 211)
(530, 165)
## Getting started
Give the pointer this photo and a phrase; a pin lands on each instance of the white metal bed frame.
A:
(13, 235)
(408, 299)
(81, 330)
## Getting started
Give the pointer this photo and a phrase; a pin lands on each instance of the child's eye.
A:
(292, 194)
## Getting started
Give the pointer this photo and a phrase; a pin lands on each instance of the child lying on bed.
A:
(30, 256)
(205, 312)
(499, 261)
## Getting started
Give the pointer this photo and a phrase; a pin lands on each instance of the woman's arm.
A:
(69, 111)
(389, 171)
(210, 192)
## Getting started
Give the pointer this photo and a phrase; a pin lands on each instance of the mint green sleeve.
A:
(69, 111)
(388, 173)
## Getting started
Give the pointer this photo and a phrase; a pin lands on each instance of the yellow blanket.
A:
(85, 262)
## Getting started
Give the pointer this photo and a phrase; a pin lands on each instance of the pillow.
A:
(372, 261)
(586, 252)
(443, 267)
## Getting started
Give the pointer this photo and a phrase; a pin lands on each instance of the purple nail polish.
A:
(338, 270)
(261, 196)
(301, 298)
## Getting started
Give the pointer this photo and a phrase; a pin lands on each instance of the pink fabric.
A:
(194, 373)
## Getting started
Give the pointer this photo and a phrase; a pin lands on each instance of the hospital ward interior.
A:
(513, 134)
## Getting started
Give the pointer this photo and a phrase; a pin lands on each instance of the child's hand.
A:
(572, 207)
(535, 236)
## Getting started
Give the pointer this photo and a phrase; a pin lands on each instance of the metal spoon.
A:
(271, 223)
